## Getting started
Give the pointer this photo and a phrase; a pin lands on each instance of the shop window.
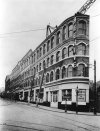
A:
(81, 49)
(64, 33)
(57, 56)
(70, 50)
(52, 59)
(57, 74)
(51, 76)
(82, 27)
(48, 45)
(46, 96)
(67, 93)
(64, 53)
(63, 72)
(70, 71)
(81, 70)
(47, 77)
(58, 37)
(48, 62)
(82, 95)
(52, 42)
(70, 30)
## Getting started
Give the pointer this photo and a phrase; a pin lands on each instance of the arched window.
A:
(48, 44)
(34, 57)
(39, 80)
(37, 54)
(44, 49)
(37, 68)
(81, 70)
(52, 59)
(48, 61)
(36, 81)
(52, 42)
(40, 66)
(70, 30)
(44, 64)
(81, 49)
(57, 56)
(51, 76)
(34, 70)
(63, 72)
(70, 71)
(64, 33)
(58, 37)
(64, 53)
(57, 74)
(47, 77)
(87, 50)
(40, 51)
(70, 50)
(82, 27)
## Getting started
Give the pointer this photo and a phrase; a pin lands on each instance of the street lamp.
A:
(77, 100)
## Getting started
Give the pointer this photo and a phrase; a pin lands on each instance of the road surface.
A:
(16, 116)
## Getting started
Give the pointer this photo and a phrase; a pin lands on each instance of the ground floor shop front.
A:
(59, 95)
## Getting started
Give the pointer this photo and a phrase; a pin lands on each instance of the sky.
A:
(29, 16)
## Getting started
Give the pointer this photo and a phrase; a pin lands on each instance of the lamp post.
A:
(77, 100)
(95, 90)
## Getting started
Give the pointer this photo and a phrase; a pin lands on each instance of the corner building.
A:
(65, 55)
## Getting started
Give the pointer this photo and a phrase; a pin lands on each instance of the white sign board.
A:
(81, 95)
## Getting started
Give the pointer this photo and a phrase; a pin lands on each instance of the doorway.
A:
(54, 99)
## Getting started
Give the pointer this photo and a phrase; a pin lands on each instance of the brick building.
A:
(65, 55)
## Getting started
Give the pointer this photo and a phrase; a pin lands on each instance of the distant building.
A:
(65, 55)
(7, 83)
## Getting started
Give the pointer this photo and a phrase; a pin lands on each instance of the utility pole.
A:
(95, 90)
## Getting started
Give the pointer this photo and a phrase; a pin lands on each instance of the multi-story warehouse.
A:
(65, 55)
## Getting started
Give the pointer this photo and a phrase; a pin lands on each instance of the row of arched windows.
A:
(81, 49)
(64, 72)
(67, 32)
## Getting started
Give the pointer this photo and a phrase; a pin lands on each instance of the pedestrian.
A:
(28, 99)
(36, 101)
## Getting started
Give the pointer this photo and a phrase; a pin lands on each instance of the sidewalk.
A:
(60, 110)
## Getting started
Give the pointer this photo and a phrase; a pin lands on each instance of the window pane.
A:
(70, 71)
(70, 50)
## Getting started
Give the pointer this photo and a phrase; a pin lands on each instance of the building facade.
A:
(65, 56)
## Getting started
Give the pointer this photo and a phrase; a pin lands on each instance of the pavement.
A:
(53, 109)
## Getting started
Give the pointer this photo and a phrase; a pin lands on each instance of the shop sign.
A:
(54, 88)
(81, 95)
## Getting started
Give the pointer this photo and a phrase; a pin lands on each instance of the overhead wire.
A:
(19, 32)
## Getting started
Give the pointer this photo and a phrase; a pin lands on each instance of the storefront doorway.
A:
(54, 99)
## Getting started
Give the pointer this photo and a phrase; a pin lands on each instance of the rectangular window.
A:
(67, 94)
